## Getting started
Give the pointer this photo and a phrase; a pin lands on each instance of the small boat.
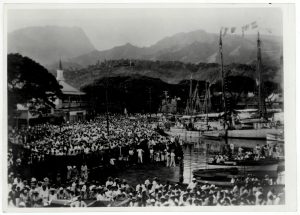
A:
(275, 137)
(247, 165)
(218, 177)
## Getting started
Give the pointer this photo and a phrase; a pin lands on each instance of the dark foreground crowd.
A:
(151, 193)
(71, 150)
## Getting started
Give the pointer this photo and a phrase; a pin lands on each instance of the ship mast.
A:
(206, 100)
(222, 73)
(261, 106)
(189, 101)
(196, 100)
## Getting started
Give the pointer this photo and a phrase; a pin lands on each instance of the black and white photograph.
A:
(134, 106)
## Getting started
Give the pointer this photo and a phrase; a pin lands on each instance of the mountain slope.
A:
(47, 45)
(119, 52)
(168, 71)
(194, 47)
(50, 43)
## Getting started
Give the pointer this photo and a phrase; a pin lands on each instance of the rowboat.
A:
(218, 177)
(247, 165)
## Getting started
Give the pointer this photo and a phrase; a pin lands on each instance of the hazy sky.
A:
(108, 27)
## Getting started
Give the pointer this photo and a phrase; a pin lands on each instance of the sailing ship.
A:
(197, 117)
(261, 126)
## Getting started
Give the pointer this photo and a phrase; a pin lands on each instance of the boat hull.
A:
(266, 167)
(257, 134)
(213, 134)
(252, 133)
(184, 134)
(275, 137)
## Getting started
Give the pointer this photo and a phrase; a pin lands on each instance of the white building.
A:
(72, 104)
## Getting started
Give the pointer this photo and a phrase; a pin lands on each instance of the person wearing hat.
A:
(22, 205)
(35, 199)
(150, 203)
(44, 194)
(136, 201)
(109, 182)
(192, 185)
(46, 181)
(60, 193)
(24, 196)
(100, 196)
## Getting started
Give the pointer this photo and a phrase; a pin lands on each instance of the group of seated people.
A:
(150, 193)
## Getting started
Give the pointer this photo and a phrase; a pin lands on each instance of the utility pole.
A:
(166, 101)
(150, 99)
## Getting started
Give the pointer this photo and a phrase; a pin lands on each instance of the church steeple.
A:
(60, 72)
(60, 65)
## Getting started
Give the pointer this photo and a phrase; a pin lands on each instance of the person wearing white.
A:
(172, 160)
(140, 155)
(193, 184)
(168, 158)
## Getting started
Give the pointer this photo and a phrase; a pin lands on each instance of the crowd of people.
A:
(151, 193)
(267, 151)
(72, 149)
(129, 141)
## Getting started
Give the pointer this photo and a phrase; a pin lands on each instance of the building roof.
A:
(68, 89)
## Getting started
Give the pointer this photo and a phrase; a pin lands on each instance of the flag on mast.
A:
(269, 30)
(246, 27)
(254, 25)
(220, 41)
(243, 31)
(225, 31)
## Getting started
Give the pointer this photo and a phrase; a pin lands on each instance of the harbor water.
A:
(195, 157)
(196, 152)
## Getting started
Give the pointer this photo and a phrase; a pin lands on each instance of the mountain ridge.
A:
(195, 47)
(47, 44)
(187, 47)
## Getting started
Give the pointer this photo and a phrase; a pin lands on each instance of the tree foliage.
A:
(135, 92)
(29, 82)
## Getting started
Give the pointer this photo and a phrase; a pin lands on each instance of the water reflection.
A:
(197, 152)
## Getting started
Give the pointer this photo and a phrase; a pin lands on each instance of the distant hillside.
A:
(48, 44)
(168, 71)
(194, 47)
